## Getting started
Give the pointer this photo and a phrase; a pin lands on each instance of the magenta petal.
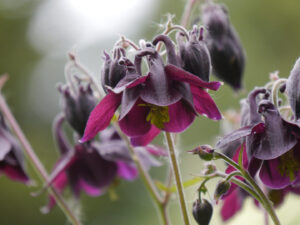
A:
(127, 171)
(204, 104)
(176, 73)
(135, 123)
(144, 140)
(101, 115)
(232, 204)
(16, 173)
(181, 117)
(271, 176)
(156, 150)
(89, 189)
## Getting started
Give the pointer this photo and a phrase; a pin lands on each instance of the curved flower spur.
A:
(167, 98)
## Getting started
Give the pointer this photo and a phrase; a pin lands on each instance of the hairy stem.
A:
(35, 162)
(176, 172)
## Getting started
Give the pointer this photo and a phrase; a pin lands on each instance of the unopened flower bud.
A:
(205, 152)
(194, 54)
(293, 89)
(227, 55)
(209, 168)
(113, 69)
(202, 211)
(77, 106)
(222, 189)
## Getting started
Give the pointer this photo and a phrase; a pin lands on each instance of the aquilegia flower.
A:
(272, 143)
(12, 162)
(167, 98)
(227, 55)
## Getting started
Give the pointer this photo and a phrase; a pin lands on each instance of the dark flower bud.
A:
(293, 89)
(209, 168)
(205, 152)
(114, 69)
(221, 189)
(194, 54)
(225, 49)
(77, 105)
(202, 211)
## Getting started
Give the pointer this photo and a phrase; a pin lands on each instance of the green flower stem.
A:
(35, 162)
(160, 203)
(264, 200)
(187, 12)
(176, 172)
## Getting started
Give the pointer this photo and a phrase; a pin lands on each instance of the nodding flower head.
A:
(12, 162)
(113, 69)
(293, 89)
(77, 105)
(225, 49)
(194, 54)
(202, 211)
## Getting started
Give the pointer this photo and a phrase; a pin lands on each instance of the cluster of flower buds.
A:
(12, 162)
(226, 52)
(167, 98)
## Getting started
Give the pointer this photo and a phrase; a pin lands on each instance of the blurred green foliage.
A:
(269, 31)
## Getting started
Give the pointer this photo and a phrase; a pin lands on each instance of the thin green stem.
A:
(176, 172)
(264, 200)
(35, 162)
(160, 203)
(187, 12)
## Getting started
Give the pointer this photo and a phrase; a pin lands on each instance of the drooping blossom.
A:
(272, 143)
(227, 54)
(167, 98)
(12, 162)
(93, 167)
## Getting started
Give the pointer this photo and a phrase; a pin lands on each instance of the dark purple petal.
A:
(175, 73)
(231, 205)
(89, 189)
(204, 104)
(145, 139)
(271, 176)
(135, 123)
(129, 81)
(237, 134)
(15, 173)
(101, 115)
(63, 144)
(181, 117)
(127, 171)
(129, 98)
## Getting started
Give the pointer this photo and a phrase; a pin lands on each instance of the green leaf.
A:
(173, 188)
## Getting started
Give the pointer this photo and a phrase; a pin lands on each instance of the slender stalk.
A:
(177, 176)
(265, 201)
(187, 12)
(35, 162)
(160, 203)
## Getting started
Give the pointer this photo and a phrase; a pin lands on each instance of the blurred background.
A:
(35, 37)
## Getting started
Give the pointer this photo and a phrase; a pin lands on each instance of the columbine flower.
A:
(93, 167)
(233, 200)
(12, 162)
(225, 49)
(167, 98)
(272, 144)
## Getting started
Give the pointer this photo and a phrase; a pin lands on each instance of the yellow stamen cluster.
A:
(158, 115)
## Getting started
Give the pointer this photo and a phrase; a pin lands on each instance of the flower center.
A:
(289, 165)
(158, 115)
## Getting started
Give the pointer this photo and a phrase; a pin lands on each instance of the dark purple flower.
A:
(92, 167)
(12, 162)
(202, 211)
(167, 98)
(233, 200)
(293, 89)
(77, 105)
(272, 144)
(225, 49)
